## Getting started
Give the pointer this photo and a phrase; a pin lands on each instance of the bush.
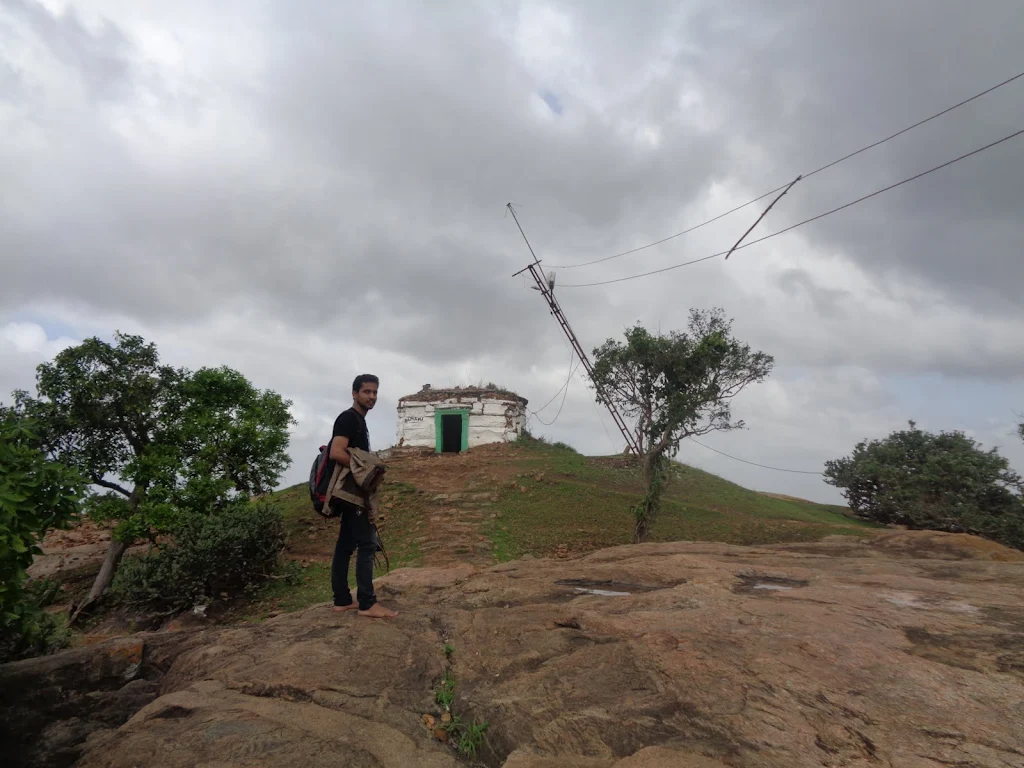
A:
(36, 494)
(229, 552)
(943, 482)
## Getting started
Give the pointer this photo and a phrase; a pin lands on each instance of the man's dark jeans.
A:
(356, 535)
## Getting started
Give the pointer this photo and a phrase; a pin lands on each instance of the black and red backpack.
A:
(320, 478)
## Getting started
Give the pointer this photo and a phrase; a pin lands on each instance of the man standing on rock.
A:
(356, 534)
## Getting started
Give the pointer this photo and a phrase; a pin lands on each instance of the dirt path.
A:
(447, 503)
(455, 529)
(459, 494)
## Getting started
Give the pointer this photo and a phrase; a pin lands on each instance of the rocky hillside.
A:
(486, 506)
(499, 502)
(779, 633)
(897, 649)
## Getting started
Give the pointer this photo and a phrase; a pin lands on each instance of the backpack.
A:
(320, 474)
(320, 478)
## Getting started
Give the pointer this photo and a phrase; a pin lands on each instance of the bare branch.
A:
(111, 486)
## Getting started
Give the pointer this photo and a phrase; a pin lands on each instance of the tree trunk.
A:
(105, 577)
(642, 528)
(648, 507)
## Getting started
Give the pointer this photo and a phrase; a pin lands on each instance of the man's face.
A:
(367, 395)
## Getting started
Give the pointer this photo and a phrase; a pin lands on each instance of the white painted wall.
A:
(491, 420)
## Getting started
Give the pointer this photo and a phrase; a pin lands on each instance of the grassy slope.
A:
(558, 501)
(581, 503)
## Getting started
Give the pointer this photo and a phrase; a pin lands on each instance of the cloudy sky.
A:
(310, 190)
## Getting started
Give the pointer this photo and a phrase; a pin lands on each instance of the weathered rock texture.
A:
(49, 705)
(907, 652)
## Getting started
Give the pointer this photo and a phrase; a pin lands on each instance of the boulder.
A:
(49, 705)
(839, 653)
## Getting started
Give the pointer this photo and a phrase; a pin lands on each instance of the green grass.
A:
(582, 504)
(312, 586)
(300, 586)
(467, 737)
(571, 502)
(444, 695)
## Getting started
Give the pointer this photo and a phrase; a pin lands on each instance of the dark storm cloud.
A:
(360, 170)
(397, 140)
(434, 109)
(834, 77)
(98, 57)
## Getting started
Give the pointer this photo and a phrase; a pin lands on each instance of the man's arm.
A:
(339, 449)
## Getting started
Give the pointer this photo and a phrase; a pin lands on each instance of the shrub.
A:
(943, 482)
(229, 552)
(36, 494)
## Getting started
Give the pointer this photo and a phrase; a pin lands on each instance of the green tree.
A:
(672, 387)
(156, 442)
(36, 495)
(943, 482)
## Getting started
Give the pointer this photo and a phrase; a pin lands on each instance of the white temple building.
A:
(456, 419)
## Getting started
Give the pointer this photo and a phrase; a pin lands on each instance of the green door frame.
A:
(451, 411)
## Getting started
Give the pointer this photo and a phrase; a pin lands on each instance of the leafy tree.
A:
(158, 443)
(943, 482)
(36, 495)
(675, 386)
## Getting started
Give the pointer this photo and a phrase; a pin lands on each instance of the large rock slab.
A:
(49, 705)
(903, 651)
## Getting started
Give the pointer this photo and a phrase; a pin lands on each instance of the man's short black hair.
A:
(364, 378)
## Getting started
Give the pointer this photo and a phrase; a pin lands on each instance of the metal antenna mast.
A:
(546, 287)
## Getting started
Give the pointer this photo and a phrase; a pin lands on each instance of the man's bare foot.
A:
(343, 608)
(378, 611)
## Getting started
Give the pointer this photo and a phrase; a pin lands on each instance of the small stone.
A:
(429, 721)
(446, 717)
(441, 734)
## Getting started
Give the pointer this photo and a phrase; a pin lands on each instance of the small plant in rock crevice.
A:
(466, 738)
(445, 693)
(471, 738)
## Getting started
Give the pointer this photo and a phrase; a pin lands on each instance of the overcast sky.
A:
(310, 190)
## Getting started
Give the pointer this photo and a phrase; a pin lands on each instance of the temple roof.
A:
(429, 395)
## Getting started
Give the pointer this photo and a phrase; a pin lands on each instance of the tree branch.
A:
(112, 486)
(662, 443)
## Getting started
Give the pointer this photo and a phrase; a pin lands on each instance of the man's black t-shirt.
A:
(352, 425)
(355, 526)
